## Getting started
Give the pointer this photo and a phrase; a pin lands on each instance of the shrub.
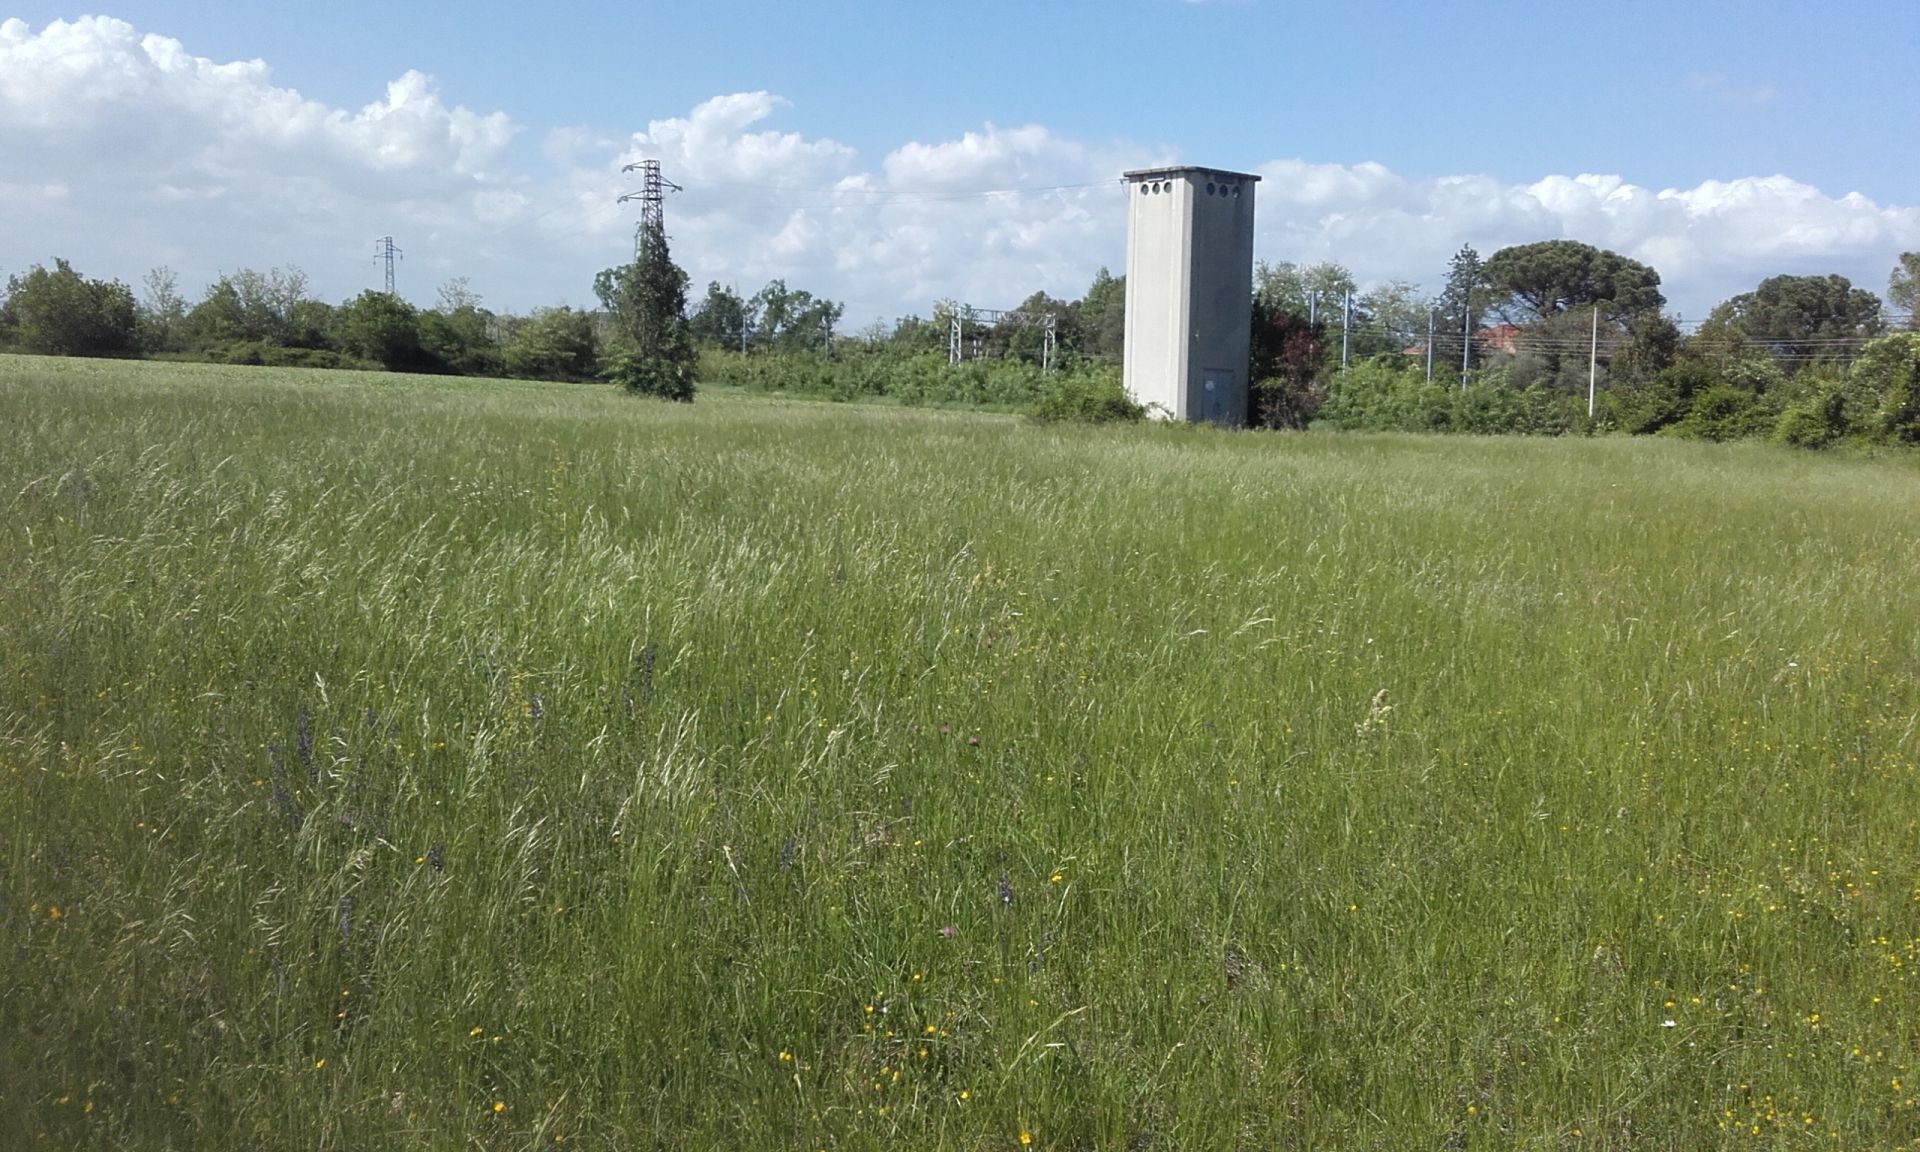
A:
(1087, 397)
(649, 376)
(1721, 412)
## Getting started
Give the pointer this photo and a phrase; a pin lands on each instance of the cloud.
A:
(125, 150)
(1708, 242)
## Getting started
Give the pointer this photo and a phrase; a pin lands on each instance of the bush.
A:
(1382, 396)
(648, 376)
(1814, 423)
(268, 354)
(1087, 397)
(1721, 412)
(1888, 371)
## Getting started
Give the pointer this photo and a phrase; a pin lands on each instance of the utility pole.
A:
(652, 197)
(1466, 345)
(1346, 323)
(1313, 308)
(383, 249)
(1593, 361)
(1429, 345)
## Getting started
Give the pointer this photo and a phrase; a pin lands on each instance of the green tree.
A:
(553, 344)
(217, 319)
(723, 319)
(1101, 316)
(793, 320)
(1535, 281)
(382, 328)
(163, 311)
(1463, 305)
(1903, 287)
(59, 312)
(1889, 371)
(1027, 339)
(459, 333)
(1285, 366)
(1396, 319)
(1316, 290)
(1797, 320)
(1652, 342)
(648, 298)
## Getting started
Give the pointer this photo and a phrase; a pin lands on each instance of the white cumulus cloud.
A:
(122, 150)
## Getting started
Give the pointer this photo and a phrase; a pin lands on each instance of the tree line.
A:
(1514, 343)
(1510, 343)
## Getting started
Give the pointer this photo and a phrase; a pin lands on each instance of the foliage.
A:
(1316, 288)
(162, 312)
(1088, 397)
(1903, 287)
(792, 320)
(1889, 369)
(381, 328)
(1386, 394)
(1816, 422)
(649, 299)
(1721, 412)
(1285, 366)
(648, 375)
(59, 312)
(723, 319)
(553, 344)
(1535, 281)
(1463, 303)
(1796, 319)
(1100, 317)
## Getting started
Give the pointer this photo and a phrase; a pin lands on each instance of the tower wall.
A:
(1189, 291)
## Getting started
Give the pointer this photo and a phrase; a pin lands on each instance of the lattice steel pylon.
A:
(652, 197)
(385, 249)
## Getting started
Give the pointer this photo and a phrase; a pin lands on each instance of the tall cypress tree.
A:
(1463, 300)
(648, 298)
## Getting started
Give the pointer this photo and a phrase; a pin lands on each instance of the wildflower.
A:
(475, 1030)
(499, 1106)
(786, 1057)
(53, 911)
(1026, 1137)
(320, 1063)
(949, 931)
(1055, 878)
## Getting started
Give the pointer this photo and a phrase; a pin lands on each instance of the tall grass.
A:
(426, 764)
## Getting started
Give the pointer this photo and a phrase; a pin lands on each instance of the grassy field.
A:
(398, 763)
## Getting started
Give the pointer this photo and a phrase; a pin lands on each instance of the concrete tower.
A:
(1190, 291)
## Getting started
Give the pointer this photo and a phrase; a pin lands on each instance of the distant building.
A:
(1190, 291)
(1501, 338)
(1504, 338)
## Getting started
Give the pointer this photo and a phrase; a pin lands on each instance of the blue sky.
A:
(1372, 107)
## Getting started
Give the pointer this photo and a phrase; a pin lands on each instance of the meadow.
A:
(393, 763)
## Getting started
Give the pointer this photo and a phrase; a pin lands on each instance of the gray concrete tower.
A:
(1190, 291)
